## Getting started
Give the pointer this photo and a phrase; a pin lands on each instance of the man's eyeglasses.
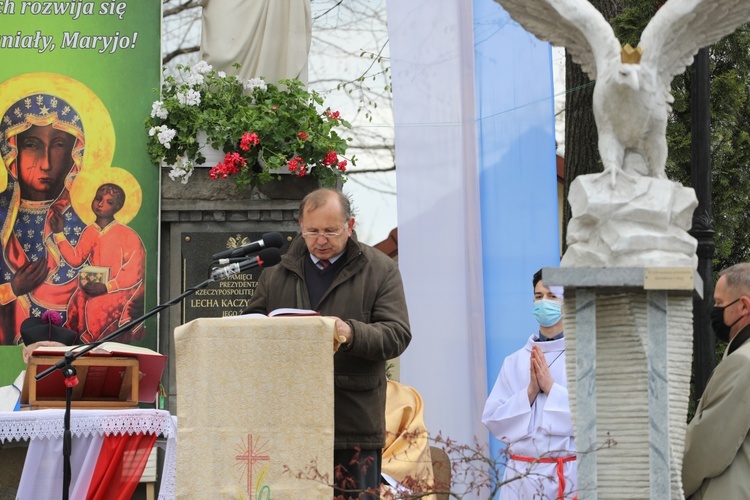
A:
(325, 234)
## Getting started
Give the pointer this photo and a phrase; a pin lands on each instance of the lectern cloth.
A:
(255, 399)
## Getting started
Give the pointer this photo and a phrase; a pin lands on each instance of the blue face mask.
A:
(547, 312)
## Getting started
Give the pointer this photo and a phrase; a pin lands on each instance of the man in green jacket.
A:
(716, 464)
(328, 270)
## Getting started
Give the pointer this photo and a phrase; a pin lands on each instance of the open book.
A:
(103, 381)
(284, 311)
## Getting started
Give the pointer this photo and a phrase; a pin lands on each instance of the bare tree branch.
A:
(189, 4)
(179, 52)
(371, 170)
(323, 14)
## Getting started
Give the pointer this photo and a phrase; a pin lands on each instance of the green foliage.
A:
(262, 128)
(635, 15)
(730, 154)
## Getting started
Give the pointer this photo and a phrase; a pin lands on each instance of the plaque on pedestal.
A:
(223, 298)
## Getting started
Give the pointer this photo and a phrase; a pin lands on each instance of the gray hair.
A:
(737, 277)
(320, 197)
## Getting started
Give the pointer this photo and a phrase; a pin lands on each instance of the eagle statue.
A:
(631, 93)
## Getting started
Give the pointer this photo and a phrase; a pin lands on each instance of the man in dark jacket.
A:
(328, 270)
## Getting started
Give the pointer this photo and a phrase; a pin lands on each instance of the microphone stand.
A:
(69, 372)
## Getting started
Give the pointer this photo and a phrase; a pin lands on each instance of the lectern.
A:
(255, 407)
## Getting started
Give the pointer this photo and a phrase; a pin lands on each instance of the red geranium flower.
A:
(302, 136)
(235, 161)
(249, 140)
(297, 164)
(331, 158)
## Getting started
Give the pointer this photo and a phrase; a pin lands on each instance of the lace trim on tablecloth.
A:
(168, 482)
(49, 423)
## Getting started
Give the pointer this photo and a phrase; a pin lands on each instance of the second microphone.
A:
(269, 240)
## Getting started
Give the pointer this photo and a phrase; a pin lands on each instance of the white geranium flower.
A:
(201, 67)
(189, 98)
(195, 79)
(186, 176)
(165, 135)
(158, 110)
(182, 170)
(254, 83)
(221, 74)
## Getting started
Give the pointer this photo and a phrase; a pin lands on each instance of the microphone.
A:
(266, 258)
(269, 240)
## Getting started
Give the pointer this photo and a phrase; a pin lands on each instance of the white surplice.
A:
(541, 430)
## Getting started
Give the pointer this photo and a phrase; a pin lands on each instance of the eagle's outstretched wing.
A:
(573, 24)
(681, 27)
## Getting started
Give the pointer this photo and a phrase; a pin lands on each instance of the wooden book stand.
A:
(104, 382)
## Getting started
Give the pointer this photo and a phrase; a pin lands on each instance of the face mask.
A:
(717, 322)
(547, 312)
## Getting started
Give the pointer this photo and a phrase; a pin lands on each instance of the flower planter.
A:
(248, 117)
(213, 156)
(289, 187)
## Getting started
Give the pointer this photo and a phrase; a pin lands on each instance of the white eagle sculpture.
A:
(632, 90)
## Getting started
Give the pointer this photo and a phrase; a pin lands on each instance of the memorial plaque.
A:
(668, 278)
(226, 297)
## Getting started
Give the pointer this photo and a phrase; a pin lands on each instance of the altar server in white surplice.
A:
(528, 409)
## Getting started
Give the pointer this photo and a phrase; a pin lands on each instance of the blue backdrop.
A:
(518, 181)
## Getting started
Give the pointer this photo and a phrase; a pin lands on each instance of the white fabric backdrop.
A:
(475, 150)
(431, 43)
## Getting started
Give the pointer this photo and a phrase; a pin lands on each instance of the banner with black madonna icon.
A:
(78, 194)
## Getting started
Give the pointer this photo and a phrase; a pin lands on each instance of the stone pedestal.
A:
(629, 349)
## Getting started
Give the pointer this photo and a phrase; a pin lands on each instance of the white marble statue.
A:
(631, 94)
(631, 215)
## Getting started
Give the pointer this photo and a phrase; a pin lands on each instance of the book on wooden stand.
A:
(112, 375)
(282, 312)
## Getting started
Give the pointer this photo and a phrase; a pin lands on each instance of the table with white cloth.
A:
(44, 460)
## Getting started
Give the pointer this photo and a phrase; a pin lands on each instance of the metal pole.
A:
(704, 344)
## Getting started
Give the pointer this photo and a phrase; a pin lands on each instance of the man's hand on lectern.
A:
(343, 335)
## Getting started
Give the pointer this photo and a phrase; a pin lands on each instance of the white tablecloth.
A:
(45, 430)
